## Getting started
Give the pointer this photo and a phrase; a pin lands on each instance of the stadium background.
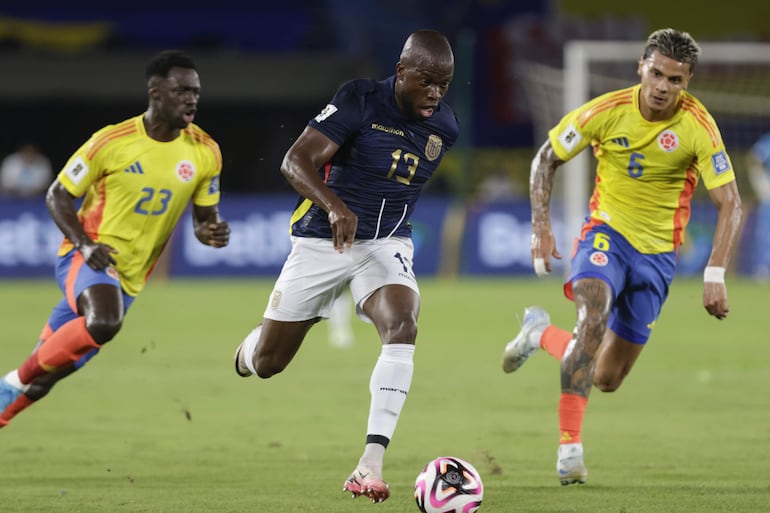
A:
(68, 69)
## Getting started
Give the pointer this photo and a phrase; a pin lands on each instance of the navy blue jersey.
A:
(383, 161)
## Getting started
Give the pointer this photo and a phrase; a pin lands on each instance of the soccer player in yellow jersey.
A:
(653, 143)
(135, 178)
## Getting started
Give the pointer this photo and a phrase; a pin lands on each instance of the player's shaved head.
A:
(427, 49)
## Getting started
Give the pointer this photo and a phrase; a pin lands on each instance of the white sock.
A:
(249, 346)
(389, 385)
(372, 458)
(12, 378)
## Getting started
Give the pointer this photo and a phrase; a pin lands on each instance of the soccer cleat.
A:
(363, 482)
(8, 393)
(524, 345)
(569, 464)
(240, 365)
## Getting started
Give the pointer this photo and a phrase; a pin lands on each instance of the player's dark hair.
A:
(160, 65)
(673, 44)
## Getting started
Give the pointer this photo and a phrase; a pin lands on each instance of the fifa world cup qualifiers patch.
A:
(325, 113)
(76, 170)
(569, 138)
(720, 162)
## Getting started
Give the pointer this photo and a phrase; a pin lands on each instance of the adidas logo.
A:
(623, 141)
(135, 168)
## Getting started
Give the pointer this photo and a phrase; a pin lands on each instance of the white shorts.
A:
(315, 274)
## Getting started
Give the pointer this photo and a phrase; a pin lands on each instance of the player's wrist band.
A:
(712, 274)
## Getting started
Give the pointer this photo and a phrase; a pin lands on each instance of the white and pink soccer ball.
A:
(448, 485)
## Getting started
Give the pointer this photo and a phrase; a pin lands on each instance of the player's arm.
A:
(727, 200)
(61, 206)
(311, 151)
(542, 172)
(209, 227)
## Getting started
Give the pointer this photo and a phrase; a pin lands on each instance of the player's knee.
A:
(103, 330)
(607, 382)
(268, 367)
(401, 331)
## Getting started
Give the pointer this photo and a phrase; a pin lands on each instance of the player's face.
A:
(178, 97)
(663, 79)
(420, 89)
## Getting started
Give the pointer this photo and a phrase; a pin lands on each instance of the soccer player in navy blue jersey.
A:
(359, 167)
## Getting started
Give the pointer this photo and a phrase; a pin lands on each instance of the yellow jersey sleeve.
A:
(646, 172)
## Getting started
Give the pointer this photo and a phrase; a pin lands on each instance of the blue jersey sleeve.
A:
(343, 116)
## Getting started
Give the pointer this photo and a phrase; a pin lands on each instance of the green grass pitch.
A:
(160, 423)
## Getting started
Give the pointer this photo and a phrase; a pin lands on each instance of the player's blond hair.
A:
(673, 44)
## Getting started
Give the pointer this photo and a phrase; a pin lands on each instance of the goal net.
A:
(732, 79)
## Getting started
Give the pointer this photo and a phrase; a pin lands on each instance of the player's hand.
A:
(543, 248)
(216, 234)
(715, 299)
(344, 224)
(96, 255)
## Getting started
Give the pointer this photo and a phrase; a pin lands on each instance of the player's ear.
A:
(400, 70)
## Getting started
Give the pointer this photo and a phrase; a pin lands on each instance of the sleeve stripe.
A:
(702, 118)
(622, 97)
(120, 130)
(199, 136)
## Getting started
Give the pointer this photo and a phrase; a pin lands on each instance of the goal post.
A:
(732, 79)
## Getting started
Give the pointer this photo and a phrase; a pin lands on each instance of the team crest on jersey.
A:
(185, 170)
(599, 259)
(668, 141)
(328, 111)
(112, 273)
(76, 170)
(433, 147)
(570, 137)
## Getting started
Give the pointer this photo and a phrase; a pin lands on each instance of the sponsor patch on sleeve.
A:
(569, 138)
(326, 112)
(720, 162)
(214, 185)
(76, 170)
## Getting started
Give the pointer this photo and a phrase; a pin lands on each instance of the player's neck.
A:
(157, 129)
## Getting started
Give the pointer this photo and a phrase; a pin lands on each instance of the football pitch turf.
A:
(160, 423)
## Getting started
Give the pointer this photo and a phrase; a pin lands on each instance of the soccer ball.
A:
(448, 485)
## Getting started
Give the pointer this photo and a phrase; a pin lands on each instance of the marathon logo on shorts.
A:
(275, 299)
(720, 162)
(76, 170)
(570, 138)
(599, 259)
(185, 170)
(325, 113)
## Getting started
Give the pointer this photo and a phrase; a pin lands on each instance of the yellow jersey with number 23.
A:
(135, 188)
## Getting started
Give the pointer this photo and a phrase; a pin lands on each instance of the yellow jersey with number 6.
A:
(647, 171)
(135, 188)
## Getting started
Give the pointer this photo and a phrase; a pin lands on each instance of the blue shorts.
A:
(74, 276)
(639, 282)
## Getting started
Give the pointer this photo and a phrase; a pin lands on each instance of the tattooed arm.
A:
(542, 171)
